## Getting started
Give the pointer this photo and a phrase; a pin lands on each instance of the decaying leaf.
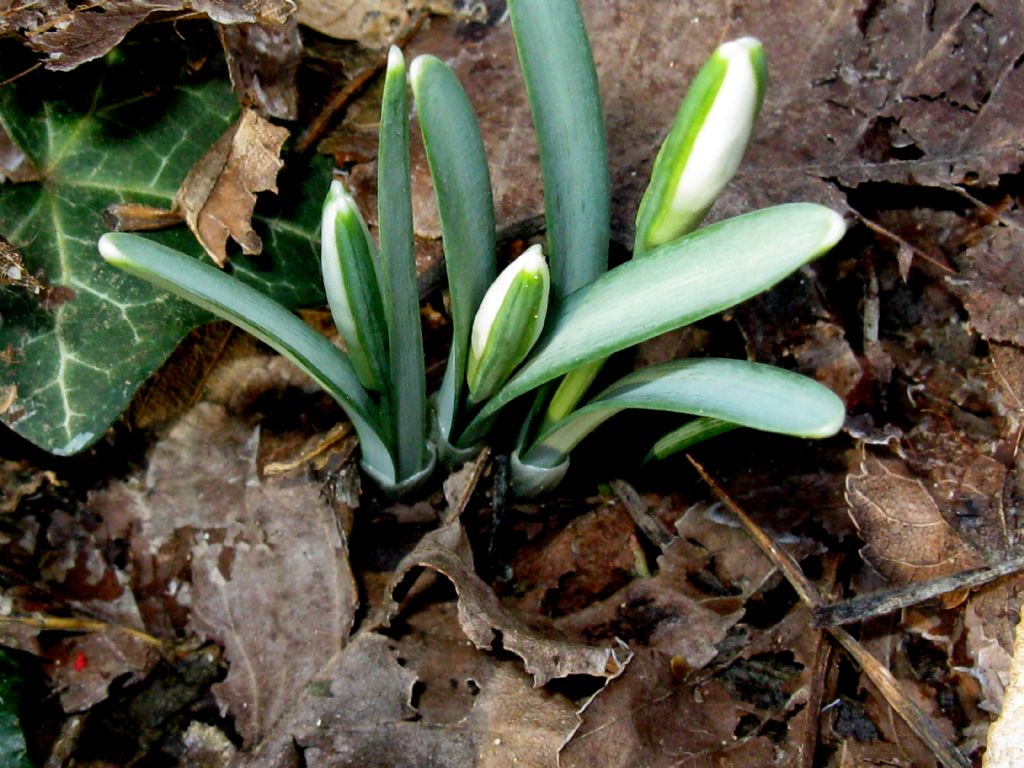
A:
(624, 726)
(262, 60)
(422, 697)
(13, 273)
(70, 34)
(270, 579)
(991, 284)
(907, 537)
(485, 621)
(218, 196)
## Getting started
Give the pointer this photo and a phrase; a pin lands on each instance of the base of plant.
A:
(396, 489)
(529, 480)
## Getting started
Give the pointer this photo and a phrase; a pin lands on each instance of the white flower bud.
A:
(508, 323)
(706, 143)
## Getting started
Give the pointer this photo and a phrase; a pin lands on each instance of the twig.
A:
(65, 624)
(883, 679)
(879, 229)
(888, 600)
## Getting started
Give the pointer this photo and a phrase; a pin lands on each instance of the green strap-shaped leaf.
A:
(692, 432)
(462, 184)
(681, 282)
(561, 82)
(226, 297)
(746, 394)
(407, 406)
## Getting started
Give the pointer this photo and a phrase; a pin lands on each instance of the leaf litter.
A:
(916, 324)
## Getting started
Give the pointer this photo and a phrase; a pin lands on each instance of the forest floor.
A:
(211, 584)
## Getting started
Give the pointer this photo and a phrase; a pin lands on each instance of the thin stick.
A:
(888, 600)
(65, 624)
(644, 520)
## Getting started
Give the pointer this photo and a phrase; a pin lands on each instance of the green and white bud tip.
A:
(508, 323)
(352, 284)
(707, 141)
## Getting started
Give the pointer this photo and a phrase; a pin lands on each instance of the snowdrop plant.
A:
(543, 325)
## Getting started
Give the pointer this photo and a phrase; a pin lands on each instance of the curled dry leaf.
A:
(218, 196)
(423, 697)
(907, 538)
(485, 620)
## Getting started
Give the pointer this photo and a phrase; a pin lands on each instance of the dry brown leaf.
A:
(262, 61)
(72, 34)
(907, 538)
(91, 662)
(648, 716)
(991, 283)
(268, 562)
(218, 196)
(485, 621)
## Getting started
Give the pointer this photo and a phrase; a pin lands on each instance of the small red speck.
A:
(80, 663)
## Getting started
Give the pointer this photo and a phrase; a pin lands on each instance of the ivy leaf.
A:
(126, 128)
(12, 740)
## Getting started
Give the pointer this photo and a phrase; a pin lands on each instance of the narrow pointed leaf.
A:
(407, 406)
(561, 82)
(692, 432)
(462, 185)
(743, 393)
(226, 297)
(681, 282)
(351, 272)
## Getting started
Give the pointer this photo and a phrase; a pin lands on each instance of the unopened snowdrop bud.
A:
(704, 147)
(508, 323)
(349, 262)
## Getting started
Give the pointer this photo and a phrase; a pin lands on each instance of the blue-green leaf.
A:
(462, 184)
(407, 404)
(219, 293)
(736, 391)
(561, 82)
(681, 282)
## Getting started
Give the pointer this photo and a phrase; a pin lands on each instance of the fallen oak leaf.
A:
(218, 196)
(485, 621)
